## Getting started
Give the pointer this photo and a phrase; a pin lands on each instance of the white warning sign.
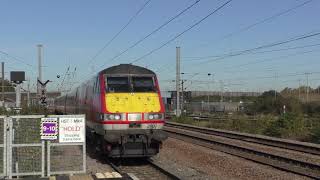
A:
(71, 130)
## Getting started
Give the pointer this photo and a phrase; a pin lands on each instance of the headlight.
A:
(117, 117)
(154, 116)
(112, 117)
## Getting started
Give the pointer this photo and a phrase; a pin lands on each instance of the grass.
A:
(290, 126)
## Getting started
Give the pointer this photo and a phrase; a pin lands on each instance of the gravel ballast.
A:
(195, 162)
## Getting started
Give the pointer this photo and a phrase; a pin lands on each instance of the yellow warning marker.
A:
(52, 178)
(100, 176)
(116, 175)
(108, 175)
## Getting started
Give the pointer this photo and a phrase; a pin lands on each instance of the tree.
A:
(8, 86)
(269, 102)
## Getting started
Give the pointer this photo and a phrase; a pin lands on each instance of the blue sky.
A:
(73, 31)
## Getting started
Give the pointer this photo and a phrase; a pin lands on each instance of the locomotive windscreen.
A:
(130, 84)
(118, 84)
(143, 84)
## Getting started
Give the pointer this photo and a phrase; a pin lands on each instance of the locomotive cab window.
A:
(143, 84)
(117, 84)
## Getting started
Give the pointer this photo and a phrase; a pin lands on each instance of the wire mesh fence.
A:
(26, 160)
(23, 153)
(26, 130)
(66, 158)
(210, 107)
(27, 150)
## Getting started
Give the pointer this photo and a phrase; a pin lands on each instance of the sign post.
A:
(43, 93)
(49, 128)
(71, 130)
(17, 77)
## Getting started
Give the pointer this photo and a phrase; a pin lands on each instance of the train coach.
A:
(124, 111)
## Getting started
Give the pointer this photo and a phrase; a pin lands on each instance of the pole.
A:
(18, 95)
(222, 91)
(208, 92)
(39, 68)
(178, 111)
(182, 96)
(28, 93)
(299, 89)
(2, 68)
(275, 91)
(307, 74)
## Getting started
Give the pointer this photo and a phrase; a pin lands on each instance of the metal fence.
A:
(66, 158)
(26, 151)
(210, 107)
(2, 146)
(23, 153)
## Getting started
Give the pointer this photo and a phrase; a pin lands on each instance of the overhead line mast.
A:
(178, 110)
(2, 83)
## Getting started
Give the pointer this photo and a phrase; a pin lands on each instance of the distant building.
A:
(225, 94)
(204, 106)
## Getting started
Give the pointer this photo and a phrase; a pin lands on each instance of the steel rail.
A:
(163, 170)
(283, 163)
(265, 140)
(150, 162)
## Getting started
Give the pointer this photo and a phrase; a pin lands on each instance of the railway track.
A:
(298, 158)
(276, 142)
(146, 169)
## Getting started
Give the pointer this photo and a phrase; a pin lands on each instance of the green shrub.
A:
(289, 125)
(183, 119)
(315, 134)
(268, 103)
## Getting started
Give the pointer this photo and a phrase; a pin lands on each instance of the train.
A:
(124, 111)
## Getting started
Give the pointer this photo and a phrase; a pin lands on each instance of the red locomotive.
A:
(124, 111)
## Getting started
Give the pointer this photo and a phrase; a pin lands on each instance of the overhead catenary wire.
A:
(71, 80)
(271, 59)
(17, 59)
(275, 58)
(152, 32)
(264, 20)
(255, 77)
(120, 31)
(242, 52)
(259, 52)
(63, 80)
(270, 77)
(180, 34)
(20, 61)
(295, 80)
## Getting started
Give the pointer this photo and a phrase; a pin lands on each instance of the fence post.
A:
(84, 152)
(48, 159)
(42, 158)
(84, 156)
(9, 147)
(5, 126)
